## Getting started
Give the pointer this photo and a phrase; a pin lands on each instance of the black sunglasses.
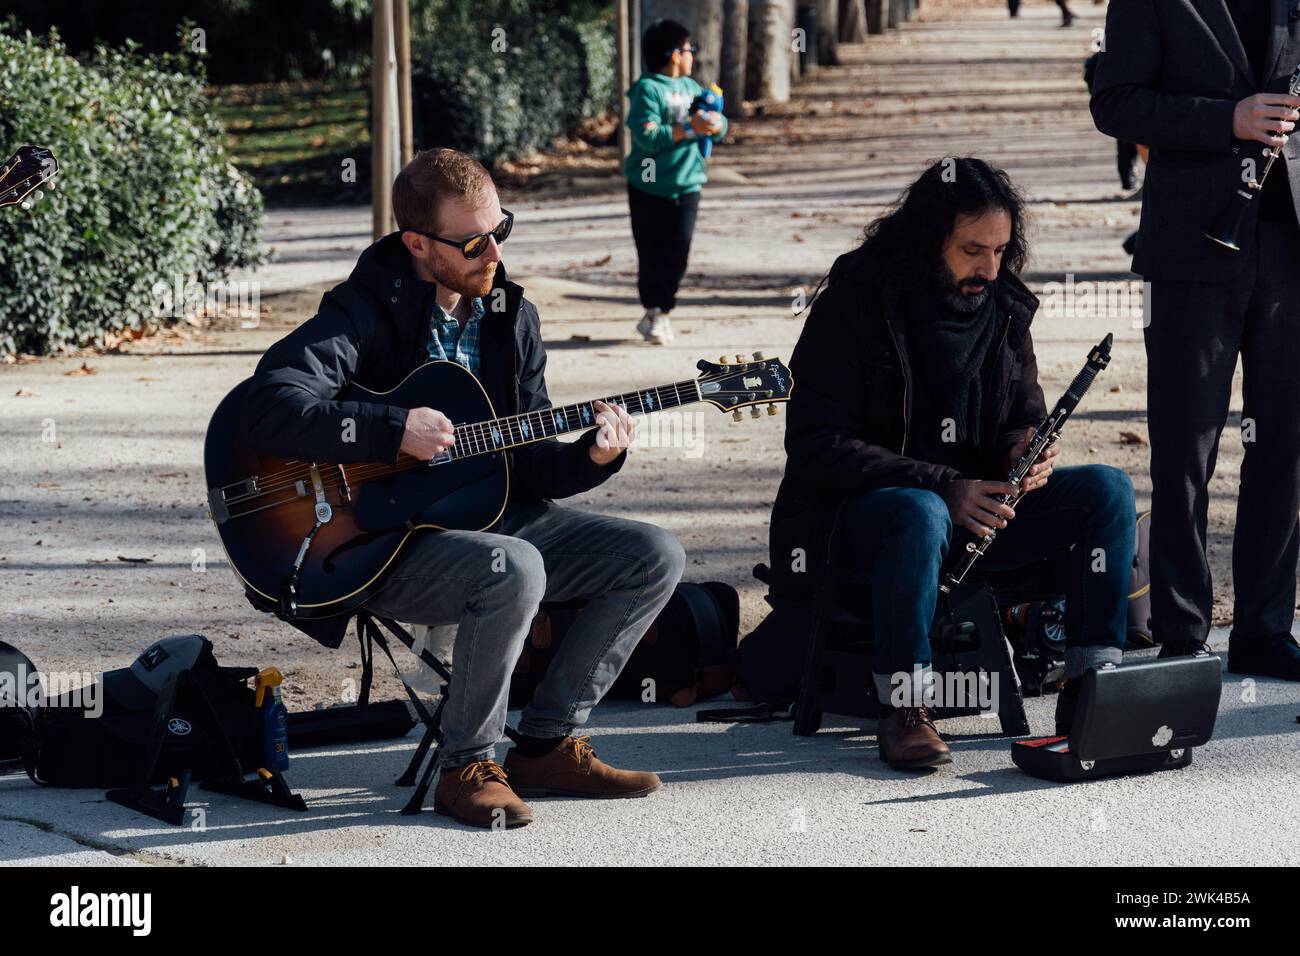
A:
(475, 246)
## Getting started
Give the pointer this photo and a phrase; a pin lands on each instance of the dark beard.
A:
(951, 295)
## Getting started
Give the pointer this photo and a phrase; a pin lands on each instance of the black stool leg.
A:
(431, 735)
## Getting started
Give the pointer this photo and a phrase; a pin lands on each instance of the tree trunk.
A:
(767, 70)
(735, 33)
(828, 32)
(853, 21)
(876, 16)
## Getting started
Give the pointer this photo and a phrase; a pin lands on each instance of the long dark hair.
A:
(908, 240)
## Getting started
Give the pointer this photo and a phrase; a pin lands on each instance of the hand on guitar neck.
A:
(616, 430)
(429, 433)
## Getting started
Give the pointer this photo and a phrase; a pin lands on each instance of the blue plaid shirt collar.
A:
(449, 341)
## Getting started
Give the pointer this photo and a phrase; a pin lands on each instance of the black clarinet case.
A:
(1131, 718)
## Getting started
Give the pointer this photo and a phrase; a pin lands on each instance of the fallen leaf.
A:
(85, 369)
(173, 474)
(1131, 438)
(134, 560)
(47, 484)
(25, 393)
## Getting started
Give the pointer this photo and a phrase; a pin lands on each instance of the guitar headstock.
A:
(24, 173)
(732, 386)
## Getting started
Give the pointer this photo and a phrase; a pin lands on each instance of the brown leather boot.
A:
(908, 740)
(477, 795)
(572, 770)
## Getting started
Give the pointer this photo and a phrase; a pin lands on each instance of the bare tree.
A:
(828, 32)
(767, 72)
(853, 21)
(735, 33)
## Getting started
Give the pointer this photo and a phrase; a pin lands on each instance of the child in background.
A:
(665, 170)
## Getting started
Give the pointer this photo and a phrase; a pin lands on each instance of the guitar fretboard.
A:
(500, 434)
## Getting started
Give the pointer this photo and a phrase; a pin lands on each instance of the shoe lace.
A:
(483, 771)
(581, 748)
(915, 716)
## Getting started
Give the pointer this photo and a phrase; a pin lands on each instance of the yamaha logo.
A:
(179, 726)
(153, 657)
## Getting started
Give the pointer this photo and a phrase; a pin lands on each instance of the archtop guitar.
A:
(314, 539)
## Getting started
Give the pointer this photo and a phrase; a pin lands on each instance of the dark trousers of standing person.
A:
(1126, 157)
(662, 229)
(1066, 15)
(1192, 342)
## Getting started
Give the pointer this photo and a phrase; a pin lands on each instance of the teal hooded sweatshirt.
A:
(657, 103)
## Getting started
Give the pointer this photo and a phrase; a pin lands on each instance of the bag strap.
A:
(29, 747)
(759, 714)
(373, 635)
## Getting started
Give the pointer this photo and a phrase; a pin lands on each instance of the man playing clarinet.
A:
(917, 392)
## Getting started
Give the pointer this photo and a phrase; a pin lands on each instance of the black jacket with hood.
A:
(373, 329)
(848, 417)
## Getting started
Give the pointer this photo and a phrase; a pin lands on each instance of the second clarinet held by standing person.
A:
(665, 170)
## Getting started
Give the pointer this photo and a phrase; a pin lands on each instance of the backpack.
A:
(685, 655)
(175, 695)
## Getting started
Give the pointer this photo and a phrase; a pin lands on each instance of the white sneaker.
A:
(668, 328)
(647, 323)
(651, 327)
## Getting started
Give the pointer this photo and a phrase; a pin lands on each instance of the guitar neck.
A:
(502, 434)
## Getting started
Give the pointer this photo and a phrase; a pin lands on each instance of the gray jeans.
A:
(490, 584)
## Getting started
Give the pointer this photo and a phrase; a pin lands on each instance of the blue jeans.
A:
(896, 540)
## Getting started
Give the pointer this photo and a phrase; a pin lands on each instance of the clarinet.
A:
(1227, 232)
(1048, 433)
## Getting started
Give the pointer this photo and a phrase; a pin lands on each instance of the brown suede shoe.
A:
(477, 795)
(572, 770)
(908, 740)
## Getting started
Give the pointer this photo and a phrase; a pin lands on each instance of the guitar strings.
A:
(366, 471)
(288, 478)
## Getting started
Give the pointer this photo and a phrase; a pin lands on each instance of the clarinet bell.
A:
(1228, 231)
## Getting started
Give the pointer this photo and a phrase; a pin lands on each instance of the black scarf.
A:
(950, 350)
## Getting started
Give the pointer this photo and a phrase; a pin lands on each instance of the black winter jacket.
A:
(847, 424)
(373, 329)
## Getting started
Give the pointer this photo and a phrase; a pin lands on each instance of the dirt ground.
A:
(104, 542)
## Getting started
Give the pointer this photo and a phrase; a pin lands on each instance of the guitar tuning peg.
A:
(736, 416)
(51, 184)
(722, 360)
(755, 411)
(36, 196)
(758, 356)
(740, 360)
(771, 409)
(25, 205)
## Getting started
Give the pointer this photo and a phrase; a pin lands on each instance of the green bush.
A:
(499, 78)
(146, 193)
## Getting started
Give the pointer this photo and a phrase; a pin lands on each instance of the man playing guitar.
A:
(437, 290)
